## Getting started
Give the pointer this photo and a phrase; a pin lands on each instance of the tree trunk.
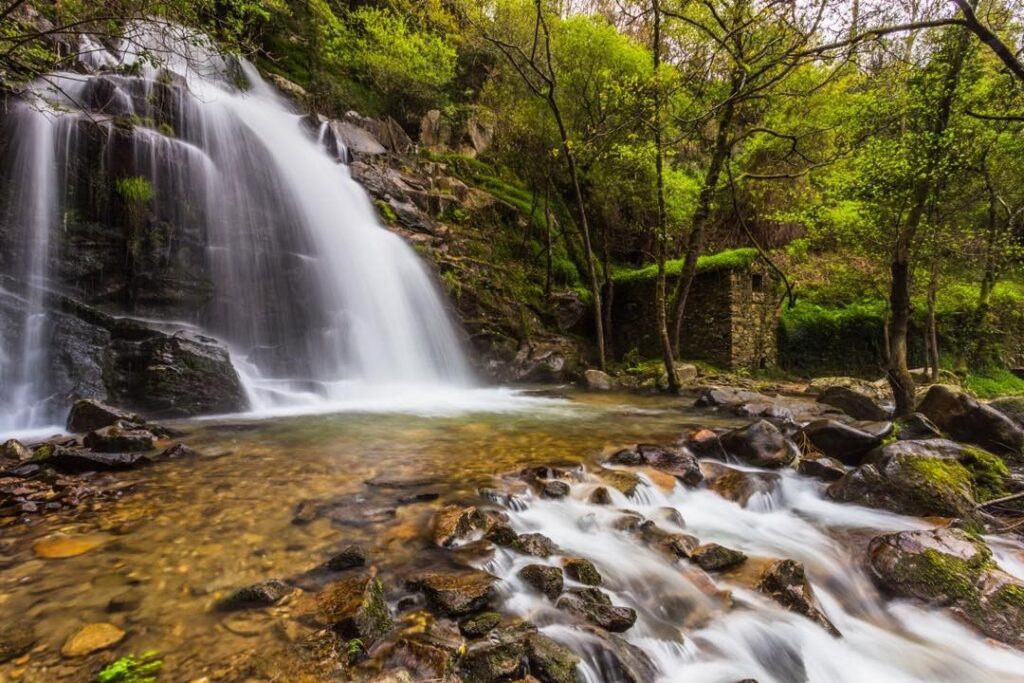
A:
(547, 245)
(661, 238)
(897, 371)
(701, 216)
(931, 332)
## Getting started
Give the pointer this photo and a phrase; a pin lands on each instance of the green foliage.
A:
(994, 382)
(143, 668)
(730, 259)
(134, 189)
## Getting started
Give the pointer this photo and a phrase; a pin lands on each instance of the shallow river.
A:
(193, 530)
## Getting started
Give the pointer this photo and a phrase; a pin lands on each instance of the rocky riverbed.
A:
(724, 536)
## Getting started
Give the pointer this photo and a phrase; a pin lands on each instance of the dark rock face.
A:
(175, 376)
(544, 579)
(784, 582)
(948, 567)
(857, 405)
(1010, 406)
(261, 594)
(355, 607)
(620, 660)
(826, 469)
(964, 419)
(847, 444)
(594, 606)
(760, 444)
(350, 557)
(88, 415)
(912, 477)
(456, 594)
(119, 438)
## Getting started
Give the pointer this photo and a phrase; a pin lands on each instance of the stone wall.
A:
(730, 321)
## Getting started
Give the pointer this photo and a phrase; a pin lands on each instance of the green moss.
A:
(386, 212)
(939, 574)
(131, 669)
(134, 189)
(946, 474)
(730, 259)
(1009, 597)
(988, 473)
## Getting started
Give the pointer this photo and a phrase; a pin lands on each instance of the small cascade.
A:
(224, 212)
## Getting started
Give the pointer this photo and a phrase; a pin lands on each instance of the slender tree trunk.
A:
(588, 250)
(897, 371)
(661, 238)
(931, 332)
(607, 292)
(988, 279)
(547, 245)
(701, 216)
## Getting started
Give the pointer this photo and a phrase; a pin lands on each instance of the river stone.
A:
(77, 460)
(854, 403)
(596, 607)
(60, 547)
(351, 556)
(479, 625)
(847, 444)
(13, 452)
(760, 444)
(582, 570)
(91, 638)
(714, 557)
(554, 490)
(16, 638)
(499, 657)
(620, 660)
(600, 496)
(920, 478)
(737, 485)
(784, 582)
(545, 579)
(964, 419)
(1010, 406)
(824, 468)
(624, 482)
(916, 427)
(951, 568)
(262, 594)
(550, 661)
(456, 593)
(455, 522)
(356, 608)
(119, 437)
(679, 462)
(88, 415)
(715, 397)
(535, 545)
(595, 380)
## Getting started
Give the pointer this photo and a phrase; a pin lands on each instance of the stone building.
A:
(731, 316)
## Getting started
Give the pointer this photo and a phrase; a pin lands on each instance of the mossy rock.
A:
(951, 568)
(356, 609)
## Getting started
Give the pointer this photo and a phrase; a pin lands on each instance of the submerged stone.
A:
(16, 638)
(351, 556)
(355, 607)
(262, 594)
(91, 638)
(456, 593)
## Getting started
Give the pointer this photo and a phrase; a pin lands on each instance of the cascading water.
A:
(316, 300)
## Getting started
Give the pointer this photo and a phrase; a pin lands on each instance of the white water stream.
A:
(693, 638)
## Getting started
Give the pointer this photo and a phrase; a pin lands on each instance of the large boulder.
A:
(934, 477)
(88, 414)
(177, 375)
(678, 461)
(596, 380)
(837, 440)
(119, 437)
(594, 606)
(355, 607)
(456, 593)
(951, 568)
(964, 419)
(857, 404)
(760, 444)
(1010, 406)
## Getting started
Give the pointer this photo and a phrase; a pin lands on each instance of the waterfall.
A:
(317, 301)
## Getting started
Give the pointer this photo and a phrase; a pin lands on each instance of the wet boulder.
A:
(736, 485)
(456, 593)
(857, 404)
(479, 625)
(355, 607)
(582, 570)
(456, 522)
(1010, 406)
(535, 545)
(916, 427)
(760, 444)
(714, 557)
(964, 419)
(600, 496)
(550, 661)
(920, 478)
(545, 579)
(595, 380)
(679, 462)
(821, 467)
(837, 440)
(717, 397)
(594, 606)
(554, 489)
(13, 452)
(88, 415)
(77, 460)
(785, 582)
(262, 594)
(502, 656)
(119, 437)
(178, 375)
(619, 660)
(951, 568)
